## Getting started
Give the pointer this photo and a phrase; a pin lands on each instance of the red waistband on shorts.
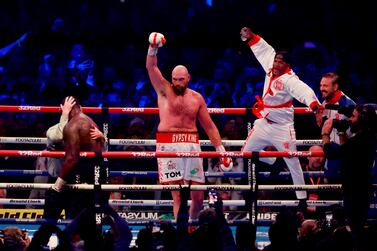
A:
(177, 137)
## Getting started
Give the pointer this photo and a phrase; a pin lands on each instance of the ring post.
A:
(105, 127)
(252, 181)
(252, 201)
(98, 178)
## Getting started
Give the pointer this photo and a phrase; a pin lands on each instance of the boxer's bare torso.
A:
(179, 113)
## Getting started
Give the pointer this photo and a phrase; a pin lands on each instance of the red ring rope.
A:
(130, 110)
(125, 154)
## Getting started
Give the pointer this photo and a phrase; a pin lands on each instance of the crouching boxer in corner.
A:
(76, 137)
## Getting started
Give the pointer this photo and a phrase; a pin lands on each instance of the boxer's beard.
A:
(179, 90)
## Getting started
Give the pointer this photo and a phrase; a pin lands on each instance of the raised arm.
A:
(264, 52)
(159, 83)
(7, 49)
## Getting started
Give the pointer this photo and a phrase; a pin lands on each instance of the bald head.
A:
(316, 148)
(180, 69)
(308, 227)
(180, 79)
(316, 163)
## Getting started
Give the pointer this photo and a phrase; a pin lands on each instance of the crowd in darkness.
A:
(96, 51)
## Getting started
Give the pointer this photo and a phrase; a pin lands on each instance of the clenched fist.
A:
(226, 163)
(156, 39)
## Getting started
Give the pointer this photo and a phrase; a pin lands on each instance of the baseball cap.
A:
(285, 56)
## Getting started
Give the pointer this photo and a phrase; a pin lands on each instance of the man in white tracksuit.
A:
(274, 109)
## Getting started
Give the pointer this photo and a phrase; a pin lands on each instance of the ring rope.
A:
(169, 203)
(133, 222)
(145, 154)
(26, 186)
(261, 222)
(150, 154)
(143, 142)
(23, 173)
(131, 110)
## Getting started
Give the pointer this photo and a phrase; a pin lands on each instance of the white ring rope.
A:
(261, 222)
(144, 142)
(18, 172)
(169, 203)
(26, 186)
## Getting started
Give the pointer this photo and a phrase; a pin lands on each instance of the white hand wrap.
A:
(152, 51)
(220, 148)
(59, 184)
(226, 163)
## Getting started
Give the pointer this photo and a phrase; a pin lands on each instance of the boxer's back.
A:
(77, 131)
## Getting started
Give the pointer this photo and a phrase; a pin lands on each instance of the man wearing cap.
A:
(274, 110)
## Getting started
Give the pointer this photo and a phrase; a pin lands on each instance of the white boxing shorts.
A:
(176, 169)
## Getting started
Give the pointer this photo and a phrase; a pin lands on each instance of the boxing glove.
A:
(156, 40)
(226, 163)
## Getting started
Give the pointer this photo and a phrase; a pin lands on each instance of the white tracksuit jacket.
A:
(275, 125)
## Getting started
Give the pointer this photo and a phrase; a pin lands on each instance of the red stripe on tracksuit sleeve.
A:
(254, 40)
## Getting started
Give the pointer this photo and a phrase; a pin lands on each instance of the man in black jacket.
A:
(357, 154)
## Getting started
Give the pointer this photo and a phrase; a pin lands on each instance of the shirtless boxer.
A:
(77, 138)
(179, 108)
(55, 136)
